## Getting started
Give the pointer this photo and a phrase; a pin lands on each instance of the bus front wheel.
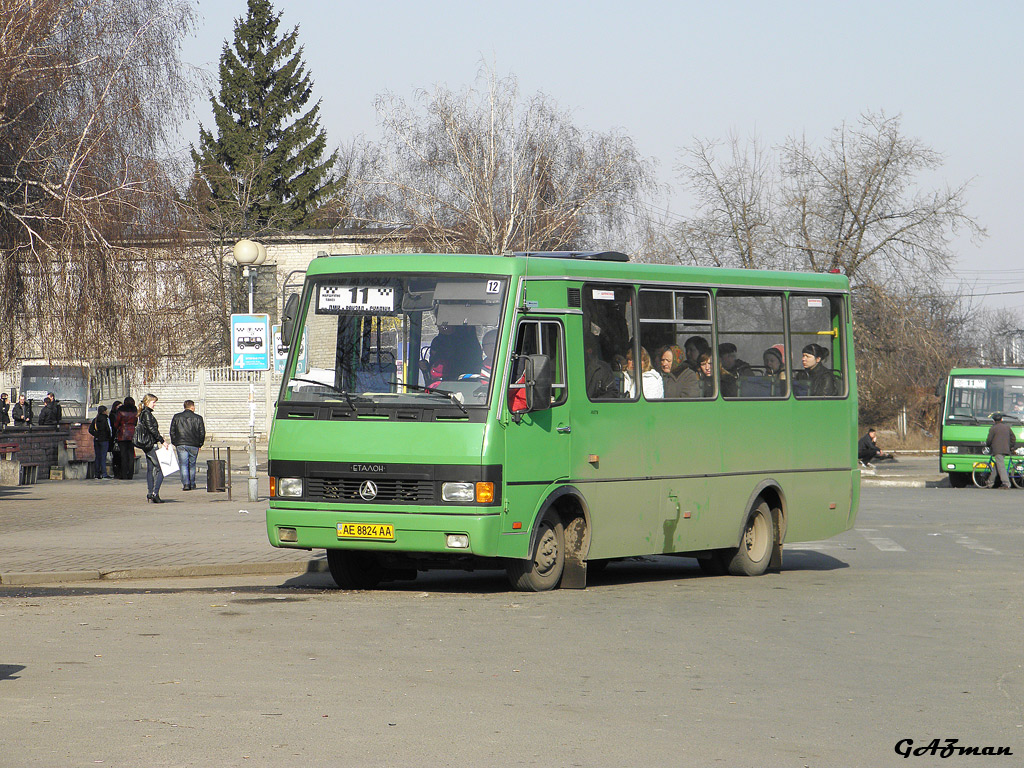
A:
(959, 479)
(543, 570)
(754, 553)
(354, 570)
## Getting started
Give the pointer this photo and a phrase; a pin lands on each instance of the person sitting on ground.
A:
(868, 450)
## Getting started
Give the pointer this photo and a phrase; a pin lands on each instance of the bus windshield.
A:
(973, 399)
(398, 339)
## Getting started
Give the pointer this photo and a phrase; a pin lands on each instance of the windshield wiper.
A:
(344, 393)
(450, 395)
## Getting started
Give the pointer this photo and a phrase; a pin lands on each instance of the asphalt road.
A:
(910, 626)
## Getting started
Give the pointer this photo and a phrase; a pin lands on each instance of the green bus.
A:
(472, 411)
(972, 395)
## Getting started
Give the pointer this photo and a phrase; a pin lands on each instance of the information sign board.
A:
(250, 342)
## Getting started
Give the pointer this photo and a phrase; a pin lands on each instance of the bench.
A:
(7, 450)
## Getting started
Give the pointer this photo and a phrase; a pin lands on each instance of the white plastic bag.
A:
(168, 459)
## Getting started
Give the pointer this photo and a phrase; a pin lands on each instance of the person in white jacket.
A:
(650, 380)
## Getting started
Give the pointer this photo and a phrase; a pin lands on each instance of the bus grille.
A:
(388, 491)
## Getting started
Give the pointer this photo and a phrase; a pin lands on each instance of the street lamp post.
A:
(250, 255)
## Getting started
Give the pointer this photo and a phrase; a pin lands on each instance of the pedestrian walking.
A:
(1000, 442)
(188, 433)
(124, 430)
(148, 438)
(102, 433)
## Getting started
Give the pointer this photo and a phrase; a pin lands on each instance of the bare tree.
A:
(733, 225)
(487, 170)
(90, 94)
(854, 205)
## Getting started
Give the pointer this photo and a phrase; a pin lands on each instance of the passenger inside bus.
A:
(695, 347)
(679, 381)
(454, 352)
(650, 380)
(601, 379)
(707, 381)
(821, 382)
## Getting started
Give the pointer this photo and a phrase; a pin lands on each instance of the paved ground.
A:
(79, 530)
(104, 529)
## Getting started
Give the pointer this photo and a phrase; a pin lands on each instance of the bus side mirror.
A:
(288, 320)
(940, 390)
(538, 382)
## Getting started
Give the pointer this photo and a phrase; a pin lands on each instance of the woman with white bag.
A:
(148, 438)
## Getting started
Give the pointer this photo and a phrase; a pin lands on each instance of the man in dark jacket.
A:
(867, 449)
(22, 412)
(1001, 442)
(102, 433)
(188, 433)
(51, 413)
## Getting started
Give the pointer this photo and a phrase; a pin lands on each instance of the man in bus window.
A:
(694, 347)
(1001, 442)
(601, 381)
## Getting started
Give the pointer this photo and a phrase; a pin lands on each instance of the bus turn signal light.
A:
(484, 493)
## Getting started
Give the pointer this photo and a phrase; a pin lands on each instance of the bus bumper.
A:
(426, 530)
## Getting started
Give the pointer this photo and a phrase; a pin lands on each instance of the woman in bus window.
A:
(650, 379)
(707, 380)
(822, 382)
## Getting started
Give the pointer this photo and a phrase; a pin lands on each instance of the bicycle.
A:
(983, 470)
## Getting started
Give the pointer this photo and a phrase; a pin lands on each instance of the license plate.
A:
(365, 531)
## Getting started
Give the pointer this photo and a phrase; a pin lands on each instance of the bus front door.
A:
(537, 443)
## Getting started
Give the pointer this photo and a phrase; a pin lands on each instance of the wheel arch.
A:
(568, 502)
(770, 491)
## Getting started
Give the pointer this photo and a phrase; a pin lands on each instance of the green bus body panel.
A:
(669, 476)
(970, 433)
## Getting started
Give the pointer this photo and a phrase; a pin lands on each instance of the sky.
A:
(666, 73)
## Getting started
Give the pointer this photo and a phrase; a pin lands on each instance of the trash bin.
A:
(215, 476)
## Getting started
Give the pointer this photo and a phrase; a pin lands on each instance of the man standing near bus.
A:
(1000, 442)
(188, 433)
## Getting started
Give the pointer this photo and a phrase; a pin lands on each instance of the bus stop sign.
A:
(250, 342)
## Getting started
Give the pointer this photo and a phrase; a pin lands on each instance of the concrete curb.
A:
(162, 572)
(902, 482)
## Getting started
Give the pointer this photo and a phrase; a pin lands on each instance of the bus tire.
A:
(752, 556)
(543, 570)
(959, 479)
(354, 570)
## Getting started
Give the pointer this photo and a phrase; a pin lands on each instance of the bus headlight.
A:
(458, 491)
(1020, 451)
(951, 449)
(289, 487)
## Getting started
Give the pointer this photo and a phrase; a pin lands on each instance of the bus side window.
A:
(815, 343)
(608, 336)
(751, 349)
(538, 337)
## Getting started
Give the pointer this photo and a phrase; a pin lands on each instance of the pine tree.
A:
(262, 171)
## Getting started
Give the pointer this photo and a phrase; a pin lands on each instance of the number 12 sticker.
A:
(494, 286)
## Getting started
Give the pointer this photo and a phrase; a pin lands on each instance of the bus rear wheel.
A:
(354, 570)
(754, 553)
(543, 570)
